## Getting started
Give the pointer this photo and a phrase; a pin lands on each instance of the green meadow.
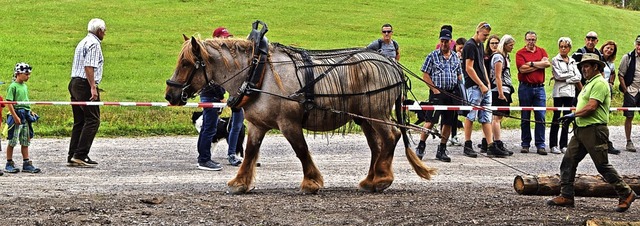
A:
(143, 39)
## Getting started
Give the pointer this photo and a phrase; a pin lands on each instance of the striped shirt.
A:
(443, 72)
(88, 53)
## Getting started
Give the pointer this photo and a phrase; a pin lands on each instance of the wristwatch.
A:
(531, 63)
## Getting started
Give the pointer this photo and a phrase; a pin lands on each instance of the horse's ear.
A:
(185, 37)
(195, 47)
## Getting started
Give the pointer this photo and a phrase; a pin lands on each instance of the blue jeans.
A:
(476, 98)
(532, 97)
(208, 130)
(237, 119)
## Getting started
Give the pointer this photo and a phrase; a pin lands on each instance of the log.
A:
(585, 185)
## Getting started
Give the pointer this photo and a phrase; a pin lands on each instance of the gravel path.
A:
(465, 191)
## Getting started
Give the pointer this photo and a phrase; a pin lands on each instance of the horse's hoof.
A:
(237, 190)
(366, 186)
(310, 187)
(382, 186)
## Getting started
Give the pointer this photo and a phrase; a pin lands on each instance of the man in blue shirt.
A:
(441, 70)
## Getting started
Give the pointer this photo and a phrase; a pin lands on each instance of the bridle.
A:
(198, 64)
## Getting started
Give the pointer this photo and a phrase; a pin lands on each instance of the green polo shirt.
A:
(597, 89)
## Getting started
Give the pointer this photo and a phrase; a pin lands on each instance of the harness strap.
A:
(257, 68)
(309, 92)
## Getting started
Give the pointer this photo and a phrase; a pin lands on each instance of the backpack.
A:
(395, 44)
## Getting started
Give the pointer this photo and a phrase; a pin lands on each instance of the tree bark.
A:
(585, 185)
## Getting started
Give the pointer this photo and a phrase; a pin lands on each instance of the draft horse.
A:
(292, 89)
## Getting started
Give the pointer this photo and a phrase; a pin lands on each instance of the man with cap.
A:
(441, 70)
(590, 42)
(215, 94)
(590, 137)
(221, 32)
(629, 76)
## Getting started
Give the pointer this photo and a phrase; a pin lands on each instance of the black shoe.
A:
(441, 154)
(494, 151)
(86, 162)
(613, 151)
(483, 145)
(500, 145)
(420, 149)
(468, 150)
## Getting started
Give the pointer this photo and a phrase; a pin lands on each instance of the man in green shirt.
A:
(591, 137)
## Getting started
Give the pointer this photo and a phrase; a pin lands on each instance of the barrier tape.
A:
(414, 107)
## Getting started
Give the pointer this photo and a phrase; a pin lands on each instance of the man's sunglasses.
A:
(387, 32)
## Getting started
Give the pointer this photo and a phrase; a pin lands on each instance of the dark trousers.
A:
(590, 140)
(564, 134)
(86, 119)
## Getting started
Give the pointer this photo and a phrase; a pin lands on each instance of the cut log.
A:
(585, 185)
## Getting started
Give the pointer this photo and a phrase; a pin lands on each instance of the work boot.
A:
(468, 150)
(625, 202)
(420, 149)
(441, 154)
(483, 145)
(493, 151)
(561, 201)
(500, 145)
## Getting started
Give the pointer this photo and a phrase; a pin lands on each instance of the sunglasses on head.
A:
(486, 25)
(389, 31)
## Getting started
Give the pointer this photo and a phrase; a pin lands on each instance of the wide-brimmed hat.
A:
(591, 57)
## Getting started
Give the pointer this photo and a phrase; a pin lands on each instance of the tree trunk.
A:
(585, 185)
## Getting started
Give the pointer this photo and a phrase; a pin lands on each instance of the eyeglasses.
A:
(565, 47)
(531, 40)
(389, 31)
(494, 43)
(592, 38)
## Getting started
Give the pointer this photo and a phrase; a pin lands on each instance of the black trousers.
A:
(86, 119)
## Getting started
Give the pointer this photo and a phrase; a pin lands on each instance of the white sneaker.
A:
(563, 150)
(555, 150)
(454, 141)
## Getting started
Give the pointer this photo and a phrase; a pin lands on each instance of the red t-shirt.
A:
(524, 57)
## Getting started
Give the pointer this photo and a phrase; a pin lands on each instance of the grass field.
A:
(144, 37)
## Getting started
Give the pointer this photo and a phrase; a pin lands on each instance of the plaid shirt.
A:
(88, 53)
(444, 73)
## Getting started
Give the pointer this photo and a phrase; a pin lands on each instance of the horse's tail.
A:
(421, 169)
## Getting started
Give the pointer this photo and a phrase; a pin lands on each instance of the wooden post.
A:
(585, 185)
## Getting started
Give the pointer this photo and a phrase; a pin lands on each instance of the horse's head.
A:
(189, 73)
(201, 63)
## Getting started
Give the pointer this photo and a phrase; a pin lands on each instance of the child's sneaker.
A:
(27, 166)
(11, 167)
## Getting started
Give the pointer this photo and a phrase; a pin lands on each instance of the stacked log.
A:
(585, 185)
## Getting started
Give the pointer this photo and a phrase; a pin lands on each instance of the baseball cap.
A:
(445, 34)
(638, 39)
(221, 32)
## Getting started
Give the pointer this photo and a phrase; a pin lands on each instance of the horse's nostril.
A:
(167, 97)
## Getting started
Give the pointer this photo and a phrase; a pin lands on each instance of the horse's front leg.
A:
(244, 179)
(312, 181)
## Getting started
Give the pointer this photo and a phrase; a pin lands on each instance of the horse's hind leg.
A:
(244, 178)
(374, 144)
(312, 181)
(383, 173)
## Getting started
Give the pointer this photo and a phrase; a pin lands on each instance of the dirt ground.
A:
(466, 191)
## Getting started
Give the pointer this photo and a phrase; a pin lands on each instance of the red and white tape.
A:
(414, 107)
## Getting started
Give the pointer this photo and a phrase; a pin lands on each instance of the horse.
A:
(291, 89)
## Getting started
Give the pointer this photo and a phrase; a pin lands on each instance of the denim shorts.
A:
(476, 98)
